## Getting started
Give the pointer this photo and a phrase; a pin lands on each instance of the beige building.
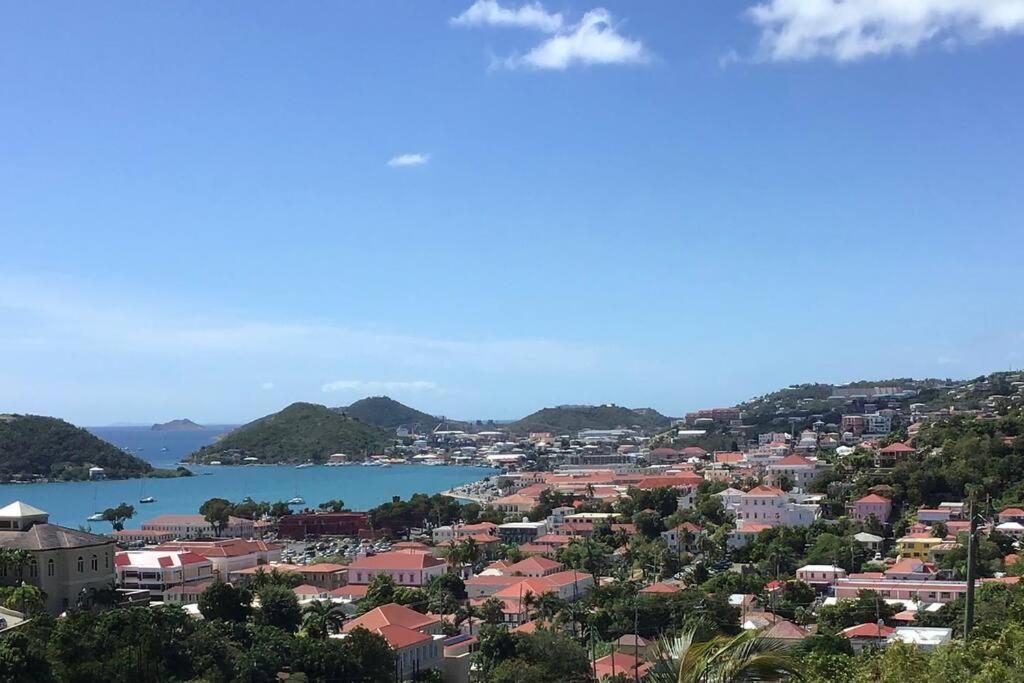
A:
(66, 564)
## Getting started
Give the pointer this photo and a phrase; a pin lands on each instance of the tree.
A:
(321, 617)
(867, 608)
(119, 515)
(279, 607)
(333, 505)
(690, 658)
(492, 611)
(380, 591)
(26, 599)
(217, 511)
(223, 601)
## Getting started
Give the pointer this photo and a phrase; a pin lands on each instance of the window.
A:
(33, 569)
(81, 564)
(106, 560)
(94, 563)
(50, 568)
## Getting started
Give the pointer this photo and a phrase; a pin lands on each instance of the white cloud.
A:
(849, 30)
(377, 386)
(408, 160)
(490, 13)
(594, 40)
(267, 386)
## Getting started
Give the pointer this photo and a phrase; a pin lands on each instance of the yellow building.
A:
(917, 547)
(66, 564)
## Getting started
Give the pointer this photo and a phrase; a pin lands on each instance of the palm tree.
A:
(321, 617)
(688, 658)
(470, 551)
(547, 606)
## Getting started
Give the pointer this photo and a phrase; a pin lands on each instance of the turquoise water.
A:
(70, 503)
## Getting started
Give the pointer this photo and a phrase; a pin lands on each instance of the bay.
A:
(71, 503)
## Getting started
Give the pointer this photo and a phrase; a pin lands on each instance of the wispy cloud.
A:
(850, 30)
(377, 386)
(408, 160)
(595, 39)
(491, 13)
(267, 386)
(103, 323)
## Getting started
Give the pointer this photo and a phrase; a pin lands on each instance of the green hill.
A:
(571, 419)
(300, 432)
(388, 413)
(33, 446)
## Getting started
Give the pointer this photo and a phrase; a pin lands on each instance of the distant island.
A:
(34, 447)
(183, 425)
(302, 432)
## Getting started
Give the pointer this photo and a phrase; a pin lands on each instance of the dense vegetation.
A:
(387, 413)
(571, 419)
(300, 432)
(32, 446)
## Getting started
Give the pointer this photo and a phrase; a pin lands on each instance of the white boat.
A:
(95, 517)
(215, 462)
(147, 499)
(297, 500)
(305, 465)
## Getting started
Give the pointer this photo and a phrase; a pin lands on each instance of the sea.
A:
(71, 503)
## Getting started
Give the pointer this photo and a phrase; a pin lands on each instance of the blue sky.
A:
(214, 209)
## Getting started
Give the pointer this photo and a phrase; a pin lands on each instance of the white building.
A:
(196, 526)
(796, 469)
(158, 571)
(820, 574)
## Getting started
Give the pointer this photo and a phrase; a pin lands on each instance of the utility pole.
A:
(969, 611)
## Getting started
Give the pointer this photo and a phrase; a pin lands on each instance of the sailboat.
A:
(145, 499)
(96, 516)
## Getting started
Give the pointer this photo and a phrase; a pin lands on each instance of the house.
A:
(620, 664)
(631, 644)
(660, 588)
(515, 504)
(921, 637)
(917, 546)
(1014, 529)
(160, 570)
(406, 567)
(684, 538)
(820, 575)
(910, 569)
(196, 526)
(416, 638)
(785, 630)
(872, 504)
(517, 533)
(535, 567)
(775, 507)
(1012, 515)
(867, 635)
(869, 541)
(893, 453)
(63, 563)
(798, 470)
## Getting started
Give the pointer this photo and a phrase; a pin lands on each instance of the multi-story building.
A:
(820, 574)
(406, 567)
(872, 504)
(303, 524)
(684, 538)
(415, 638)
(160, 570)
(66, 564)
(796, 469)
(878, 423)
(196, 526)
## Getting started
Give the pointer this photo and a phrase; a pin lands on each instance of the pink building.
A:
(406, 567)
(872, 505)
(820, 574)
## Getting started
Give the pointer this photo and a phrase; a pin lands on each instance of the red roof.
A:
(399, 637)
(397, 559)
(620, 663)
(897, 448)
(868, 631)
(785, 630)
(391, 614)
(661, 587)
(1012, 512)
(765, 491)
(534, 565)
(794, 459)
(872, 498)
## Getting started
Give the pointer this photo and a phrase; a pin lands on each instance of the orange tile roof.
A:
(391, 614)
(397, 559)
